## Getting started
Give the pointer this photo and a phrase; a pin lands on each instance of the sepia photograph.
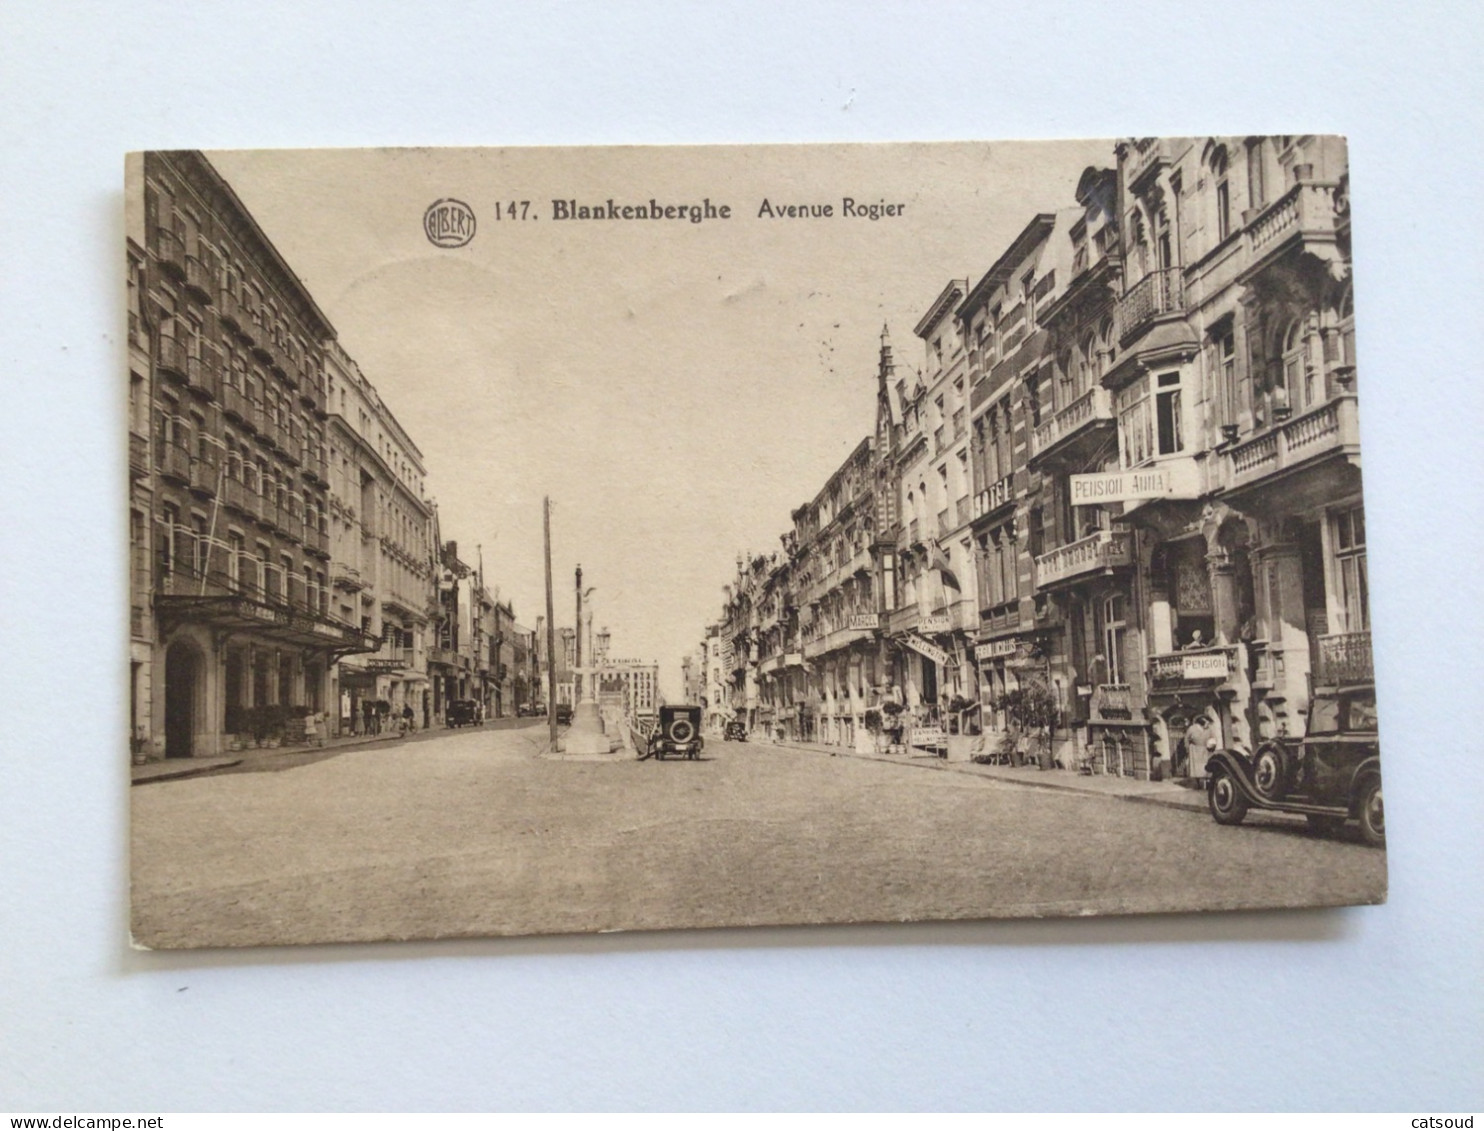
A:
(531, 541)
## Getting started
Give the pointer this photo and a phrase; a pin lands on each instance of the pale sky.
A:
(676, 388)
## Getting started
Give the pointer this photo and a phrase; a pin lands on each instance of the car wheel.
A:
(1324, 824)
(1371, 813)
(1228, 806)
(1270, 771)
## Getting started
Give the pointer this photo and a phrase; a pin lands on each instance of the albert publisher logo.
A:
(449, 223)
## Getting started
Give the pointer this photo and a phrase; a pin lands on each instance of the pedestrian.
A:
(407, 724)
(368, 716)
(1197, 739)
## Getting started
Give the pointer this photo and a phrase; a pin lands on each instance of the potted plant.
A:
(891, 721)
(1030, 711)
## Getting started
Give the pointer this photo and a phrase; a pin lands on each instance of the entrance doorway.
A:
(182, 676)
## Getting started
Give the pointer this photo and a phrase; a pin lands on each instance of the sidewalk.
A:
(176, 768)
(1169, 794)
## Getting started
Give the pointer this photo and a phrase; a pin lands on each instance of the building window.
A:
(1256, 179)
(1115, 632)
(1225, 357)
(169, 521)
(1350, 569)
(1298, 374)
(236, 549)
(202, 544)
(1167, 410)
(1223, 194)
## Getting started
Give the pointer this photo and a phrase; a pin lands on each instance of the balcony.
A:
(170, 357)
(175, 463)
(1099, 552)
(992, 498)
(905, 619)
(204, 475)
(229, 309)
(170, 250)
(998, 616)
(293, 524)
(1158, 294)
(138, 456)
(1194, 668)
(1147, 156)
(1093, 407)
(204, 374)
(1116, 702)
(242, 498)
(224, 602)
(1345, 657)
(1304, 215)
(200, 274)
(1330, 429)
(317, 539)
(236, 404)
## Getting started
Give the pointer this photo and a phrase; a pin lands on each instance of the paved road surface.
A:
(472, 833)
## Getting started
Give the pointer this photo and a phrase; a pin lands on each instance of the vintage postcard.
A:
(595, 539)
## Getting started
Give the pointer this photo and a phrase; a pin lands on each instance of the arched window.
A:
(1087, 364)
(1139, 239)
(1219, 167)
(1066, 383)
(1298, 374)
(1347, 331)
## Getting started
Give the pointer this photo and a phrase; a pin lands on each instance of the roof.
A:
(999, 273)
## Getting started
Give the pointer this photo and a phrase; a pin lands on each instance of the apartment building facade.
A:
(382, 548)
(231, 629)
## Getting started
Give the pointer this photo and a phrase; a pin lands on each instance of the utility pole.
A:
(551, 721)
(577, 648)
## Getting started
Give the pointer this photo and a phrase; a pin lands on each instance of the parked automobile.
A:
(678, 733)
(461, 713)
(564, 714)
(1332, 775)
(735, 731)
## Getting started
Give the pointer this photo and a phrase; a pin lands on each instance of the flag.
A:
(938, 560)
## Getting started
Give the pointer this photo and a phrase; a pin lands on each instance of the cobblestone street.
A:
(474, 833)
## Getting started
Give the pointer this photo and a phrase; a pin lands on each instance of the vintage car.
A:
(564, 714)
(678, 732)
(461, 713)
(735, 731)
(1332, 775)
